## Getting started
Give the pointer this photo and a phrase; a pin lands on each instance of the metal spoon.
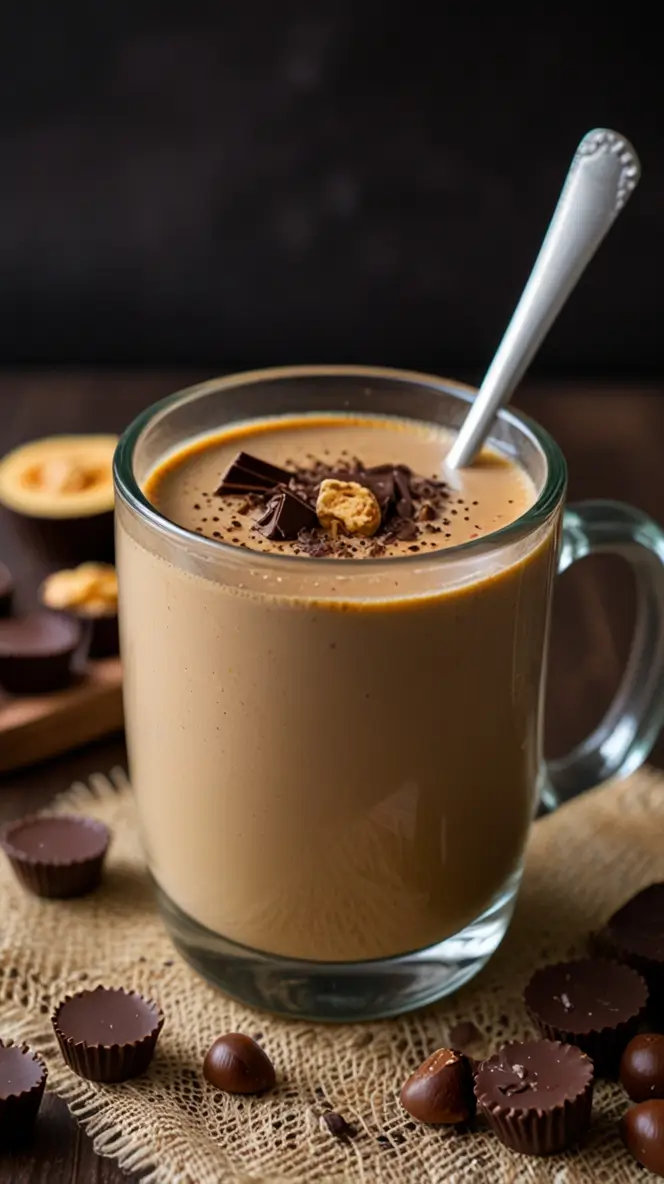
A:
(604, 173)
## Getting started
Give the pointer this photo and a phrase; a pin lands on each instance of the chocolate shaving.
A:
(249, 474)
(337, 1125)
(402, 491)
(285, 516)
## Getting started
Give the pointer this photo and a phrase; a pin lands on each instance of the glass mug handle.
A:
(626, 734)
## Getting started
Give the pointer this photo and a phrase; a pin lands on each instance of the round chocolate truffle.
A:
(238, 1065)
(536, 1095)
(642, 1067)
(642, 1130)
(441, 1089)
(593, 1003)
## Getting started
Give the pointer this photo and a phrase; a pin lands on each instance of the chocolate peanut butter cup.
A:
(593, 1003)
(89, 595)
(536, 1095)
(56, 855)
(22, 1083)
(59, 491)
(36, 652)
(107, 1034)
(635, 935)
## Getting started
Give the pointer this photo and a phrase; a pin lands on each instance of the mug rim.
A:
(128, 489)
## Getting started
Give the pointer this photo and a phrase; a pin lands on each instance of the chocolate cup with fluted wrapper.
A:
(37, 652)
(22, 1083)
(107, 1034)
(536, 1095)
(59, 855)
(593, 1003)
(63, 522)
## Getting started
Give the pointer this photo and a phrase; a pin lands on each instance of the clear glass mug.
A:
(335, 781)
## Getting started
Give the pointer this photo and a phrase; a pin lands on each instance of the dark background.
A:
(227, 184)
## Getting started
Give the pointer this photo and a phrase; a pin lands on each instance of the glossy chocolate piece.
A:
(642, 1130)
(107, 1034)
(103, 631)
(22, 1083)
(249, 474)
(441, 1089)
(36, 652)
(536, 1095)
(238, 1065)
(285, 516)
(591, 1002)
(642, 1067)
(57, 856)
(6, 590)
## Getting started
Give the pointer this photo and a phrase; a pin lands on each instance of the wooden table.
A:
(612, 435)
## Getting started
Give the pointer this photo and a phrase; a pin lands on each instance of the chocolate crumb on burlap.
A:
(172, 1128)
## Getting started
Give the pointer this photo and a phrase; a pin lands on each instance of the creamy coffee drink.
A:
(335, 757)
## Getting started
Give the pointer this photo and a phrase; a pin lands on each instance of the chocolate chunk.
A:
(56, 855)
(380, 480)
(107, 1034)
(285, 516)
(22, 1082)
(337, 1125)
(36, 652)
(6, 591)
(536, 1095)
(441, 1089)
(642, 1130)
(238, 1065)
(249, 474)
(593, 1003)
(635, 934)
(642, 1067)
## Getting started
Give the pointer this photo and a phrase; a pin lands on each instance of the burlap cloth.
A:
(173, 1128)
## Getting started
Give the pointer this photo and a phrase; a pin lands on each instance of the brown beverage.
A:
(319, 775)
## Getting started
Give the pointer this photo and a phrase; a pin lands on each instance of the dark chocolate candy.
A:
(56, 855)
(635, 934)
(237, 1064)
(22, 1082)
(36, 652)
(249, 474)
(285, 516)
(593, 1003)
(642, 1130)
(642, 1067)
(107, 1034)
(441, 1089)
(6, 590)
(536, 1095)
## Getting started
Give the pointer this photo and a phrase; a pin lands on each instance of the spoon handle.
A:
(603, 174)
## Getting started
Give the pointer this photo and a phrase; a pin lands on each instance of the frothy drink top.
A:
(337, 487)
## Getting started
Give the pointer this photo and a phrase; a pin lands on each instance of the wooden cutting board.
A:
(34, 727)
